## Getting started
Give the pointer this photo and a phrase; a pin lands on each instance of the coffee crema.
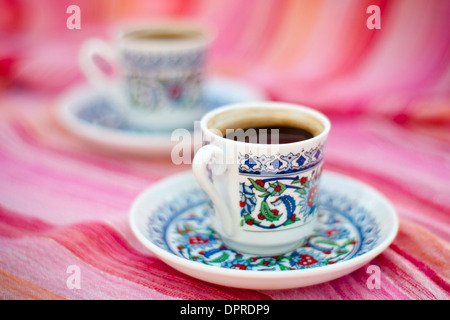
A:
(269, 134)
(162, 35)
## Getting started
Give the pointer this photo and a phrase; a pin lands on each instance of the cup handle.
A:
(205, 169)
(98, 77)
(92, 71)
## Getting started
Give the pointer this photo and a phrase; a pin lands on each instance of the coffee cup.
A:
(264, 195)
(159, 70)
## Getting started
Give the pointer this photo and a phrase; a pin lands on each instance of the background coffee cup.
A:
(264, 196)
(159, 70)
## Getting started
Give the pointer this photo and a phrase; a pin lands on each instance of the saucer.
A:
(92, 115)
(355, 224)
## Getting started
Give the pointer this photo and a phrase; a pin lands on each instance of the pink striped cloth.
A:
(387, 92)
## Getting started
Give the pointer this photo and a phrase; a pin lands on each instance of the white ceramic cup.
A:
(160, 69)
(264, 196)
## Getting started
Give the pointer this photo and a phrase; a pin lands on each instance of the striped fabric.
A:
(65, 203)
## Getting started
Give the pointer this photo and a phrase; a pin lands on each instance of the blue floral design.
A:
(306, 258)
(334, 233)
(247, 199)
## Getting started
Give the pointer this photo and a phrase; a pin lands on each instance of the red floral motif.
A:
(306, 260)
(175, 91)
(260, 182)
(331, 232)
(274, 211)
(312, 196)
(197, 240)
(250, 221)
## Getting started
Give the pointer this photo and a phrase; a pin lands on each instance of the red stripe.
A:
(13, 225)
(422, 267)
(104, 248)
(25, 132)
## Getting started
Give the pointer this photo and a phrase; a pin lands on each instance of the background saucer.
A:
(356, 223)
(91, 114)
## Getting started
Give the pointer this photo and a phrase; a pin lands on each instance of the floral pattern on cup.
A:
(278, 202)
(148, 92)
(157, 81)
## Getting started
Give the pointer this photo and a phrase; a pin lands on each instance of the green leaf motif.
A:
(267, 214)
(283, 267)
(301, 191)
(350, 241)
(288, 222)
(330, 242)
(282, 187)
(277, 184)
(248, 218)
(222, 258)
(257, 186)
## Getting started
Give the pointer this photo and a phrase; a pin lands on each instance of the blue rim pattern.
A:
(101, 111)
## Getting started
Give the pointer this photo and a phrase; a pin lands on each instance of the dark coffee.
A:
(269, 135)
(168, 35)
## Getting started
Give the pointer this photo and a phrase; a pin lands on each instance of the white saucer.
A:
(92, 115)
(355, 224)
